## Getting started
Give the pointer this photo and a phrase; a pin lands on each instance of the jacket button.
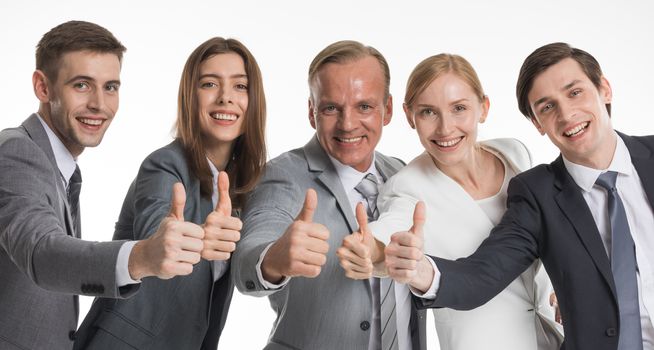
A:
(249, 285)
(611, 332)
(71, 335)
(365, 325)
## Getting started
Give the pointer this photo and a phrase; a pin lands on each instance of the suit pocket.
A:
(113, 331)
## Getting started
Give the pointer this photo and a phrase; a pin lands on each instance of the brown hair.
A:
(249, 152)
(435, 66)
(346, 51)
(70, 37)
(547, 56)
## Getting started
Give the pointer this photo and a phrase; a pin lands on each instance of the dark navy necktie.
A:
(623, 266)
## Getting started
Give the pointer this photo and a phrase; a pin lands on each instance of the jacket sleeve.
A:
(269, 210)
(33, 231)
(510, 249)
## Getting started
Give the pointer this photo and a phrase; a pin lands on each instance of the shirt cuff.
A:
(435, 284)
(122, 269)
(263, 282)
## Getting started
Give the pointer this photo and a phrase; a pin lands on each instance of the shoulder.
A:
(17, 147)
(170, 158)
(538, 176)
(293, 162)
(409, 177)
(513, 150)
(389, 165)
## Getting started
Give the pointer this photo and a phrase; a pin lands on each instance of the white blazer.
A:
(455, 226)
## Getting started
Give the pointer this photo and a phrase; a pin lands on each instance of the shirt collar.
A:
(214, 183)
(351, 177)
(585, 177)
(65, 161)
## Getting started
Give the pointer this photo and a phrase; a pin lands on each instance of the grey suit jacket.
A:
(330, 311)
(42, 265)
(185, 312)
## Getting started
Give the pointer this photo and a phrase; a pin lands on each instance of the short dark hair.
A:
(70, 37)
(547, 56)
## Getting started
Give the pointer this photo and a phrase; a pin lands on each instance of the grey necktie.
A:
(623, 266)
(369, 189)
(73, 191)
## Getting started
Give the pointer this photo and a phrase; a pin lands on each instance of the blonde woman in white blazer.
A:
(463, 184)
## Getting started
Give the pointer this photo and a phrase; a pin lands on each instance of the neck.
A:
(468, 172)
(74, 149)
(220, 154)
(599, 158)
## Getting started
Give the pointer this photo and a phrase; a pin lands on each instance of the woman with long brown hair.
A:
(218, 155)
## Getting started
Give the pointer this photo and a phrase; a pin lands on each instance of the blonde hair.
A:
(435, 66)
(346, 51)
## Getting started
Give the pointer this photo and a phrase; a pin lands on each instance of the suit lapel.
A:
(36, 132)
(641, 158)
(319, 163)
(575, 208)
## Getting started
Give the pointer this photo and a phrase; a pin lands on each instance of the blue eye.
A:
(208, 85)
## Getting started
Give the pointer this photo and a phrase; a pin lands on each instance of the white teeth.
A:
(576, 130)
(222, 116)
(350, 140)
(94, 122)
(449, 143)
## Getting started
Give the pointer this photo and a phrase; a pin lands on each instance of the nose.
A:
(95, 102)
(444, 125)
(224, 96)
(566, 110)
(346, 120)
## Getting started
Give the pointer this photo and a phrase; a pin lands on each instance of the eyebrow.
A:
(234, 76)
(565, 87)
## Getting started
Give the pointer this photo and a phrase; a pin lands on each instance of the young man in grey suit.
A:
(587, 215)
(44, 264)
(287, 249)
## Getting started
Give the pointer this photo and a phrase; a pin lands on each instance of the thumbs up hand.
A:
(404, 254)
(221, 230)
(173, 249)
(301, 250)
(360, 251)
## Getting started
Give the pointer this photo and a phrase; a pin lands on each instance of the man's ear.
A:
(312, 116)
(40, 85)
(388, 109)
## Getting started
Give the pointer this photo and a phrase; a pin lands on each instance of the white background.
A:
(495, 36)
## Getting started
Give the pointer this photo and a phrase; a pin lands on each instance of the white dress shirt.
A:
(350, 178)
(639, 216)
(67, 164)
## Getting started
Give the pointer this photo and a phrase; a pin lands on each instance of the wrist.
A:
(424, 276)
(135, 266)
(268, 272)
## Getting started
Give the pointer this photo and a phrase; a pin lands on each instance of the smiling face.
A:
(348, 109)
(222, 98)
(446, 115)
(80, 105)
(571, 110)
